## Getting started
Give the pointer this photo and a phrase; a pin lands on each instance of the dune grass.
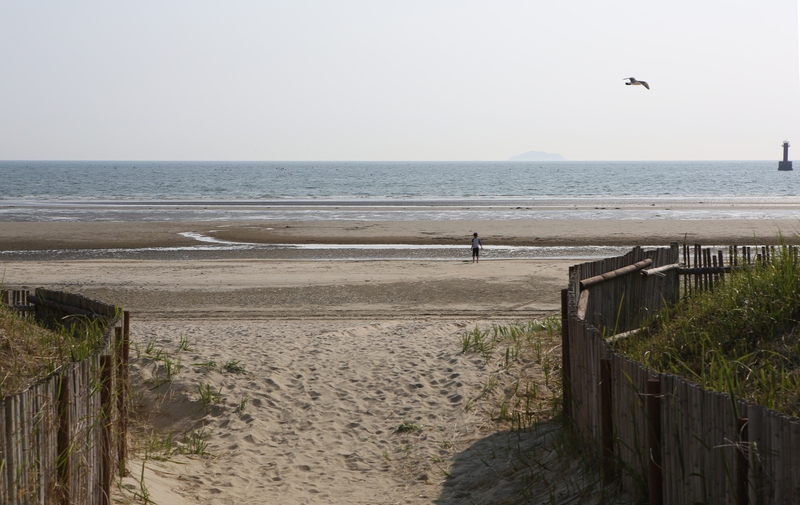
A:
(742, 339)
(29, 352)
(526, 357)
(533, 457)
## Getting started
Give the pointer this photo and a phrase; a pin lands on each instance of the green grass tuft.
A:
(234, 366)
(407, 427)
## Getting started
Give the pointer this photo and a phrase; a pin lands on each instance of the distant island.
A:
(536, 156)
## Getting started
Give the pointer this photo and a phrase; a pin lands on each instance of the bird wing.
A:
(632, 79)
(644, 84)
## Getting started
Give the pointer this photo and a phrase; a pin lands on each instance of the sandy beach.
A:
(102, 235)
(330, 358)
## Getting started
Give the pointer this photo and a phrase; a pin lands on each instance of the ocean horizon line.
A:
(109, 160)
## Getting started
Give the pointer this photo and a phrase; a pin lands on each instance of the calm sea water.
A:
(387, 181)
(187, 191)
(153, 190)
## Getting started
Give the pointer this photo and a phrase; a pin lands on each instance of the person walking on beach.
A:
(476, 247)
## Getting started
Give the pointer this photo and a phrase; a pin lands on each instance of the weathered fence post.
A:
(607, 432)
(123, 349)
(742, 463)
(697, 281)
(655, 484)
(63, 443)
(105, 409)
(566, 382)
(120, 393)
(675, 247)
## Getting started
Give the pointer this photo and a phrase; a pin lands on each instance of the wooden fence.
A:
(661, 436)
(62, 439)
(704, 268)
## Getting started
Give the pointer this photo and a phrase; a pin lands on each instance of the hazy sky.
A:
(398, 80)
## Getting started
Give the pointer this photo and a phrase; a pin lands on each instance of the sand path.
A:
(323, 402)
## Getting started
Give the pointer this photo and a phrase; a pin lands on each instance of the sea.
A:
(387, 191)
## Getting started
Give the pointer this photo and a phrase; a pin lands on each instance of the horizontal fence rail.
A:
(664, 438)
(16, 298)
(59, 437)
(613, 294)
(705, 267)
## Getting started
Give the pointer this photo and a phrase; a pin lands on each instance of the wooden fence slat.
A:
(696, 262)
(695, 424)
(777, 448)
(607, 435)
(754, 435)
(785, 437)
(34, 452)
(767, 454)
(667, 431)
(64, 429)
(711, 414)
(741, 473)
(730, 435)
(725, 436)
(106, 473)
(631, 411)
(724, 439)
(679, 435)
(621, 414)
(794, 465)
(12, 461)
(4, 489)
(673, 448)
(25, 443)
(75, 434)
(685, 439)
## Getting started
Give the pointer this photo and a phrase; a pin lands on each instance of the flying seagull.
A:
(634, 82)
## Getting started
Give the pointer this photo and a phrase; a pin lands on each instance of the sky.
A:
(398, 80)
